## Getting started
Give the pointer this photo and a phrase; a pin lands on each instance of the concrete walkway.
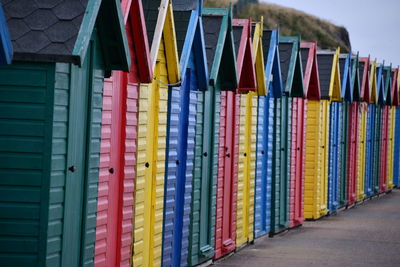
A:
(367, 235)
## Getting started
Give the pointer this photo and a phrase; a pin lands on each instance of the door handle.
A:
(228, 155)
(111, 170)
(72, 168)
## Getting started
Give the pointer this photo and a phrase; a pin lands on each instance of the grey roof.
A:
(181, 19)
(361, 65)
(342, 63)
(150, 10)
(237, 37)
(46, 29)
(325, 61)
(285, 54)
(184, 5)
(212, 26)
(266, 41)
(304, 51)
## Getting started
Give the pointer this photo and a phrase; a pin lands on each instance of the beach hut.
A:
(118, 145)
(357, 107)
(316, 189)
(372, 140)
(312, 126)
(51, 110)
(292, 81)
(354, 183)
(181, 128)
(378, 101)
(344, 133)
(6, 49)
(297, 146)
(396, 147)
(151, 135)
(265, 133)
(221, 64)
(386, 91)
(247, 131)
(391, 134)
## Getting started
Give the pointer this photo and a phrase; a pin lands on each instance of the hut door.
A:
(299, 173)
(285, 161)
(229, 165)
(84, 82)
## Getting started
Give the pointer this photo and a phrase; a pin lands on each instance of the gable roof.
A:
(259, 57)
(380, 85)
(273, 74)
(373, 95)
(190, 38)
(6, 49)
(308, 53)
(355, 78)
(54, 31)
(345, 75)
(395, 87)
(363, 67)
(220, 47)
(244, 55)
(329, 75)
(160, 24)
(137, 38)
(387, 73)
(291, 68)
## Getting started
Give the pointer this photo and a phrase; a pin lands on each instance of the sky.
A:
(373, 25)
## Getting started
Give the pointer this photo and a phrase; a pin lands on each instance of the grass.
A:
(294, 22)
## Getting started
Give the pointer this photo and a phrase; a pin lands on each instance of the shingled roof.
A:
(51, 31)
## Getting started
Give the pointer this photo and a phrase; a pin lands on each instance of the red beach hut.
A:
(118, 145)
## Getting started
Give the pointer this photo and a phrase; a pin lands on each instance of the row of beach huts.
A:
(161, 133)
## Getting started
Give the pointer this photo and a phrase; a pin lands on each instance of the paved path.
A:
(367, 235)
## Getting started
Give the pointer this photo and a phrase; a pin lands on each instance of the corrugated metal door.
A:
(369, 153)
(334, 156)
(149, 193)
(262, 215)
(352, 153)
(390, 152)
(396, 156)
(344, 152)
(225, 232)
(362, 156)
(313, 162)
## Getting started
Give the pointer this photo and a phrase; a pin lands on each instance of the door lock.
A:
(72, 168)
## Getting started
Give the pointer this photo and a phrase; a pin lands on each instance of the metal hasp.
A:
(396, 128)
(298, 135)
(310, 128)
(221, 63)
(265, 132)
(384, 99)
(51, 109)
(6, 48)
(118, 145)
(152, 129)
(181, 129)
(247, 131)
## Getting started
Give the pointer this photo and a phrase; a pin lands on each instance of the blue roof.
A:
(272, 64)
(6, 50)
